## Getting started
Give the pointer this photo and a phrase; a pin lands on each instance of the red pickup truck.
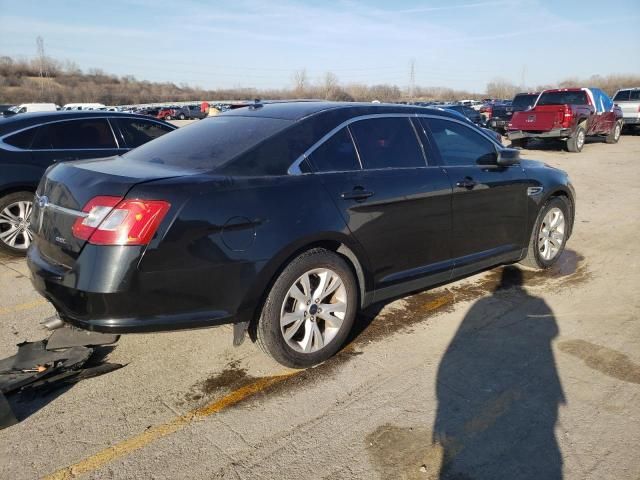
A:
(569, 114)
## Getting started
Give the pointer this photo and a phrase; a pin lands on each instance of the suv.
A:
(285, 219)
(190, 112)
(29, 143)
(568, 114)
(628, 99)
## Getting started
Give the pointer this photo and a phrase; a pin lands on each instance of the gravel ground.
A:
(473, 380)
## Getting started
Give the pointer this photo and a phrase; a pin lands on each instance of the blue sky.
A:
(249, 43)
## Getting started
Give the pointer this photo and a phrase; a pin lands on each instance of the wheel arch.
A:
(564, 193)
(339, 244)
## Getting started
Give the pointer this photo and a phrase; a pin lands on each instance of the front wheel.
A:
(15, 214)
(550, 233)
(309, 311)
(182, 117)
(614, 135)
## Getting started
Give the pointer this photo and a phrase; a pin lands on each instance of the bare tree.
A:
(300, 82)
(330, 86)
(501, 88)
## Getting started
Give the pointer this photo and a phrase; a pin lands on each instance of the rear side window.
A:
(209, 144)
(460, 145)
(564, 98)
(75, 134)
(137, 132)
(635, 95)
(622, 95)
(22, 139)
(387, 143)
(524, 101)
(337, 154)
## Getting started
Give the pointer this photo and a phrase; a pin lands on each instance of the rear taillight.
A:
(113, 221)
(566, 116)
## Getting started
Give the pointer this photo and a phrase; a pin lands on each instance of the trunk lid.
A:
(66, 188)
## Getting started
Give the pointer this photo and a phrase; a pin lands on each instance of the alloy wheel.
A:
(551, 235)
(617, 131)
(580, 139)
(14, 225)
(313, 310)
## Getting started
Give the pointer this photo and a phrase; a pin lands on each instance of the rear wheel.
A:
(549, 233)
(576, 141)
(15, 213)
(519, 143)
(309, 310)
(182, 117)
(168, 117)
(614, 135)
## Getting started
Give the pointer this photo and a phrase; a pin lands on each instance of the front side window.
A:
(337, 154)
(137, 132)
(75, 134)
(622, 96)
(460, 145)
(387, 143)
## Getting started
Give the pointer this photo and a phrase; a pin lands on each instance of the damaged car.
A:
(285, 219)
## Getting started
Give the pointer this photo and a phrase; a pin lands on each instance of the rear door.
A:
(75, 139)
(395, 204)
(489, 202)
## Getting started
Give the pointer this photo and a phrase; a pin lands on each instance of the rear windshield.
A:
(564, 98)
(208, 144)
(524, 101)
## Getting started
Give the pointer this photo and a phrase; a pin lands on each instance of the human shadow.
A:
(498, 390)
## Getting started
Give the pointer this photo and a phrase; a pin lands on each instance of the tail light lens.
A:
(113, 221)
(566, 116)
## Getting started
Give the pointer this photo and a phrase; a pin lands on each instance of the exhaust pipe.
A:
(52, 323)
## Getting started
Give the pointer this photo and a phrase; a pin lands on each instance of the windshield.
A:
(524, 101)
(576, 97)
(208, 144)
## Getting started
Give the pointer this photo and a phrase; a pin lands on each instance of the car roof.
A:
(299, 110)
(23, 120)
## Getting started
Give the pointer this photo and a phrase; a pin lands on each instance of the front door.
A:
(489, 202)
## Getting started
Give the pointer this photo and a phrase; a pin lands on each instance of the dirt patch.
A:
(605, 360)
(378, 321)
(231, 378)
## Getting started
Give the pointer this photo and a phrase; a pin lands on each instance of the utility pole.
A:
(41, 62)
(523, 82)
(412, 78)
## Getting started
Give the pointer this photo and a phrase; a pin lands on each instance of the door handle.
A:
(467, 183)
(358, 193)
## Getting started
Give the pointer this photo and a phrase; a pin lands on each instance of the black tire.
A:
(577, 140)
(167, 118)
(533, 258)
(182, 117)
(268, 332)
(5, 202)
(615, 133)
(519, 143)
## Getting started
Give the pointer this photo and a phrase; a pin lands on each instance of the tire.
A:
(536, 254)
(519, 143)
(167, 118)
(307, 327)
(576, 141)
(614, 135)
(182, 117)
(15, 235)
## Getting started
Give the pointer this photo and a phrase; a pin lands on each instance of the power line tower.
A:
(412, 78)
(41, 64)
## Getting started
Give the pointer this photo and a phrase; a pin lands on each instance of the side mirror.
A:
(508, 156)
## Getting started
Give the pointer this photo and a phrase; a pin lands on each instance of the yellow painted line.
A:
(130, 445)
(22, 306)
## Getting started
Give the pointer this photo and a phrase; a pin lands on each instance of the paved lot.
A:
(507, 374)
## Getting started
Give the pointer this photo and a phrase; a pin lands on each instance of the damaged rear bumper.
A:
(555, 133)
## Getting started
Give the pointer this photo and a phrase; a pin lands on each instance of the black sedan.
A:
(30, 142)
(468, 112)
(285, 219)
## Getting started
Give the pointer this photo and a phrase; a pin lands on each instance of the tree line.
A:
(45, 79)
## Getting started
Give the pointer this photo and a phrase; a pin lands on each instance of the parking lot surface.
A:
(510, 374)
